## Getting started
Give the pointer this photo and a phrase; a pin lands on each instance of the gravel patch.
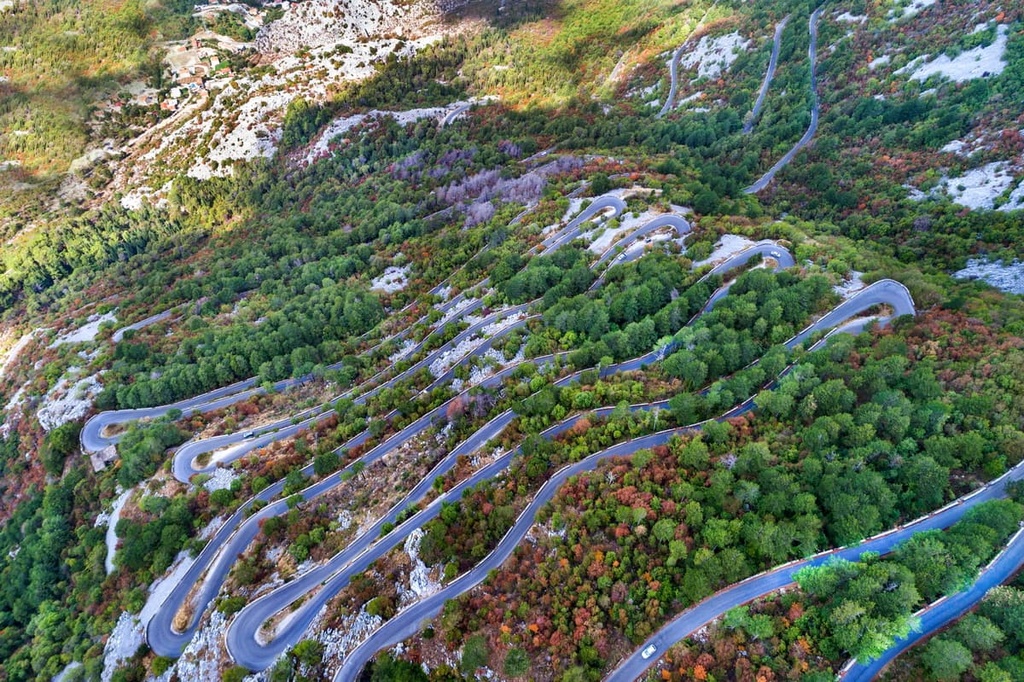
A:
(454, 312)
(1008, 278)
(910, 10)
(73, 405)
(851, 18)
(728, 245)
(420, 583)
(712, 56)
(628, 223)
(879, 61)
(850, 285)
(73, 665)
(201, 659)
(87, 332)
(353, 631)
(109, 519)
(449, 358)
(979, 188)
(391, 280)
(980, 62)
(12, 354)
(220, 479)
(124, 641)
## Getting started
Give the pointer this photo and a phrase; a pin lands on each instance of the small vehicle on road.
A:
(248, 434)
(648, 652)
(775, 254)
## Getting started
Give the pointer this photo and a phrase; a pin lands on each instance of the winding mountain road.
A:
(673, 67)
(762, 584)
(219, 555)
(812, 52)
(166, 640)
(142, 324)
(773, 62)
(408, 621)
(618, 250)
(93, 440)
(937, 615)
(239, 530)
(612, 204)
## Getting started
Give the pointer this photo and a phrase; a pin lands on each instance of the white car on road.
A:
(648, 652)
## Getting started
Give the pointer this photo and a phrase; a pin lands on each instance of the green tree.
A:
(516, 663)
(235, 674)
(387, 669)
(474, 654)
(978, 633)
(327, 463)
(309, 652)
(946, 659)
(60, 443)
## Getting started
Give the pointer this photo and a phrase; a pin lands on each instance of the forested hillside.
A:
(523, 327)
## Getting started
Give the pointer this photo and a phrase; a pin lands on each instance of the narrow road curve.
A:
(142, 324)
(748, 126)
(673, 66)
(240, 529)
(450, 117)
(812, 53)
(673, 76)
(678, 223)
(765, 248)
(612, 204)
(408, 622)
(937, 615)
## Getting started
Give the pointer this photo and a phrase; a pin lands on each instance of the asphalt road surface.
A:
(773, 62)
(408, 622)
(673, 67)
(812, 50)
(450, 117)
(606, 202)
(243, 643)
(141, 324)
(762, 584)
(938, 615)
(238, 532)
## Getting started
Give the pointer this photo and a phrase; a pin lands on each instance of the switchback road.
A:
(408, 621)
(812, 52)
(773, 62)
